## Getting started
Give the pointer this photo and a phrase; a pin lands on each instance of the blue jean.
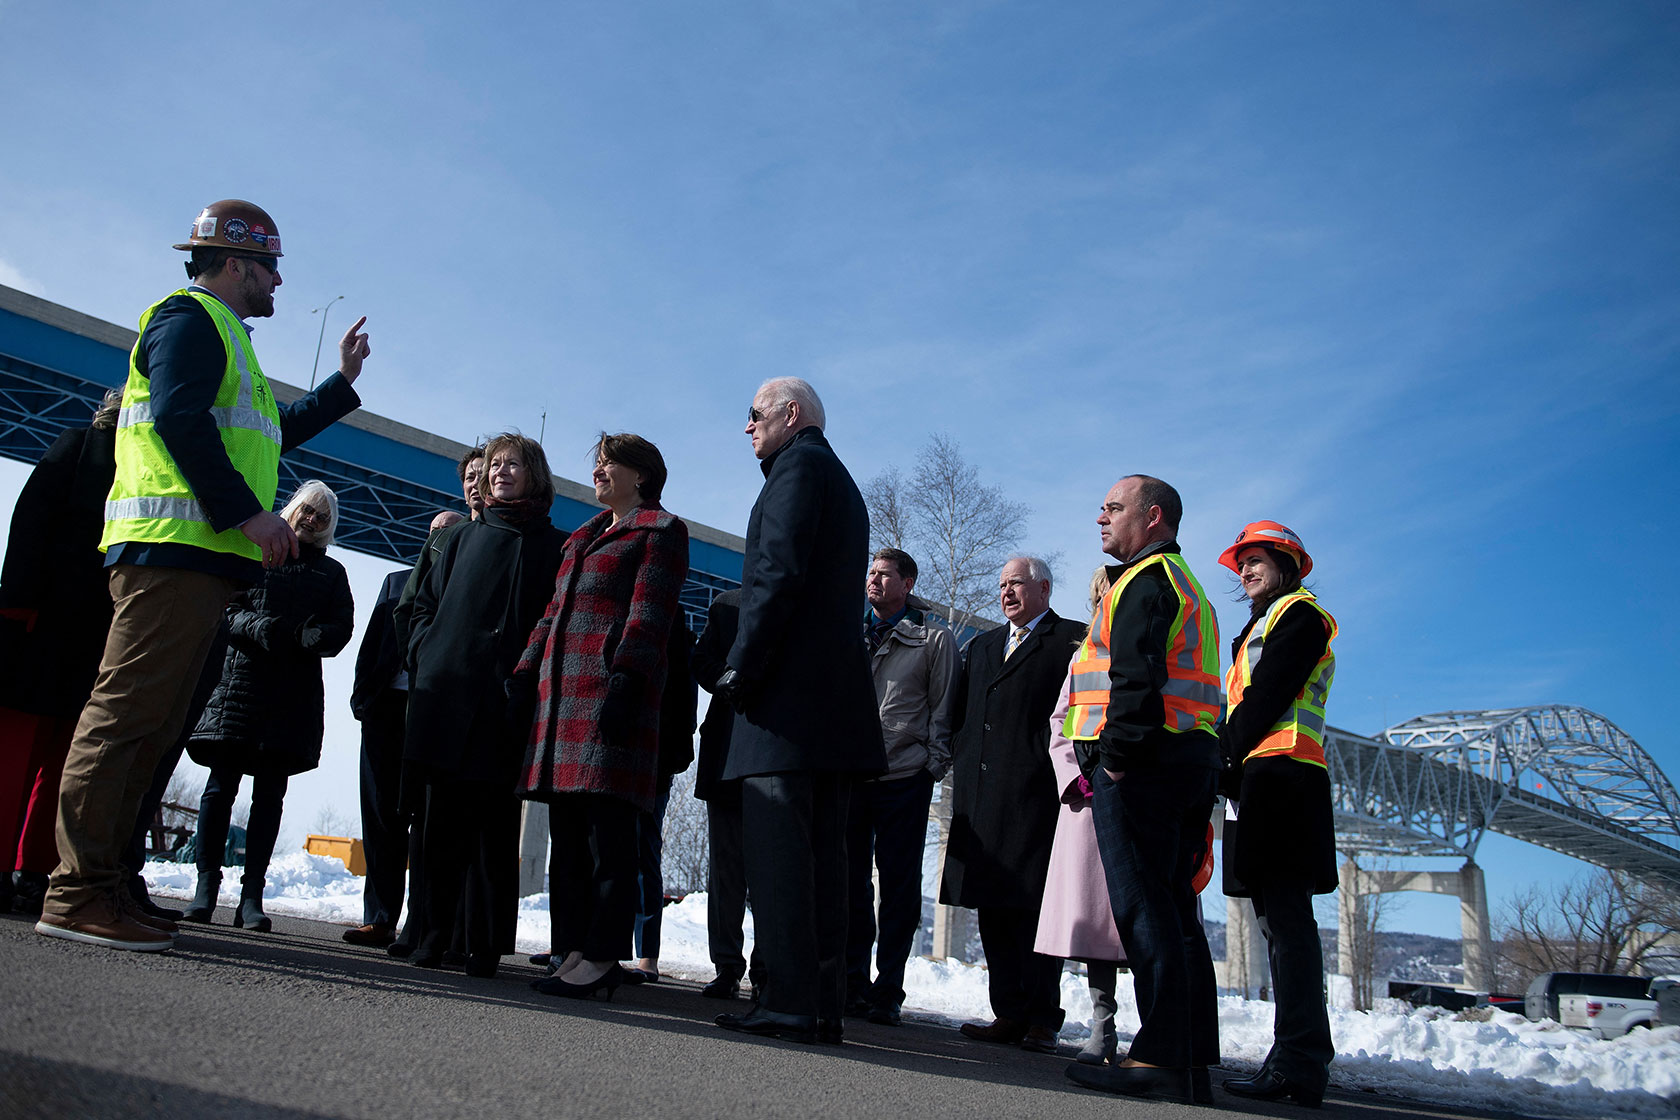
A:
(886, 828)
(1151, 833)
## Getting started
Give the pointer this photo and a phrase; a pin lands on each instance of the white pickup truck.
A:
(1611, 1016)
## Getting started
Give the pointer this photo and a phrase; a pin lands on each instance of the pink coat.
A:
(1074, 921)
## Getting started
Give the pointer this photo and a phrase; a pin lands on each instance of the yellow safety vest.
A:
(150, 499)
(1299, 733)
(1191, 694)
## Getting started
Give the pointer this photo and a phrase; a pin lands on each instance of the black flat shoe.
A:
(772, 1024)
(1155, 1082)
(830, 1032)
(724, 987)
(602, 987)
(1270, 1085)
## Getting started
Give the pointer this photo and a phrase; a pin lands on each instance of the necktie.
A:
(1015, 640)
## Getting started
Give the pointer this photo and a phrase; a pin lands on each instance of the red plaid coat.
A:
(614, 601)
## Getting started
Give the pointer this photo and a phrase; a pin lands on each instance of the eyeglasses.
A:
(754, 416)
(307, 512)
(269, 263)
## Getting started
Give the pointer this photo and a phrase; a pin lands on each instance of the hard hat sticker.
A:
(206, 227)
(274, 243)
(259, 235)
(235, 232)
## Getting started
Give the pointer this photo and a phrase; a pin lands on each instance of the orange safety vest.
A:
(1299, 733)
(1191, 694)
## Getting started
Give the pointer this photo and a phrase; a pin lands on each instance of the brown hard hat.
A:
(234, 223)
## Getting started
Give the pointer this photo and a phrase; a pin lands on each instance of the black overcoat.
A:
(710, 653)
(49, 659)
(472, 615)
(1004, 796)
(265, 715)
(810, 701)
(380, 656)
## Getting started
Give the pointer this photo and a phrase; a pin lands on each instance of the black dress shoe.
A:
(401, 950)
(1270, 1085)
(830, 1032)
(1156, 1082)
(724, 987)
(602, 987)
(482, 965)
(772, 1024)
(887, 1012)
(541, 959)
(167, 913)
(858, 1007)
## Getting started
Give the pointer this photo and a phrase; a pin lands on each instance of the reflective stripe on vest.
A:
(150, 500)
(1191, 693)
(1299, 733)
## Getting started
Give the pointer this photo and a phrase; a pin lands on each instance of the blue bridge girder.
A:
(390, 478)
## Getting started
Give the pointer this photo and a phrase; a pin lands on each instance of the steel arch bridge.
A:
(1561, 777)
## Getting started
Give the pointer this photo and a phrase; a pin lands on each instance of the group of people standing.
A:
(519, 662)
(515, 662)
(1086, 762)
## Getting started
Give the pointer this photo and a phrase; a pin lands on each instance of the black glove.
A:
(521, 691)
(731, 688)
(617, 720)
(1230, 779)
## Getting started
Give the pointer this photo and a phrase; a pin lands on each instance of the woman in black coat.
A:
(55, 608)
(265, 716)
(1280, 841)
(461, 754)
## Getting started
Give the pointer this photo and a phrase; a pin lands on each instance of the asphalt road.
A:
(297, 1024)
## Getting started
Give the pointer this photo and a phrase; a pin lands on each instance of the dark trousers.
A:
(163, 628)
(1025, 986)
(470, 856)
(726, 891)
(592, 899)
(134, 857)
(384, 825)
(886, 827)
(215, 811)
(650, 883)
(1151, 833)
(1301, 1045)
(794, 829)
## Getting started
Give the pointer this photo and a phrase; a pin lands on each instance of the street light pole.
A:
(321, 336)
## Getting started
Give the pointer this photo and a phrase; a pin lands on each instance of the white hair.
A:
(315, 489)
(785, 389)
(1037, 569)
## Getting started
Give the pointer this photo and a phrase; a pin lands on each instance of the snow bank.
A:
(1504, 1063)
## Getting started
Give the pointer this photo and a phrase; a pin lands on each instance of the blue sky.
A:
(1402, 276)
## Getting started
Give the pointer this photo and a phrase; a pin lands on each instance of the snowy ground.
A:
(1504, 1063)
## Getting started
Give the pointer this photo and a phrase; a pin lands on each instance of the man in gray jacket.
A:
(913, 658)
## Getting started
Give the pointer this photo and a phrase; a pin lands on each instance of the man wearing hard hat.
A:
(188, 522)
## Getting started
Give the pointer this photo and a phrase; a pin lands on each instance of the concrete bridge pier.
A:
(1469, 883)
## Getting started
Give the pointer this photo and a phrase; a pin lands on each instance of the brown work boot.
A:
(375, 935)
(102, 922)
(1007, 1031)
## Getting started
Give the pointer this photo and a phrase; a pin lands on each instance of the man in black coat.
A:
(726, 871)
(807, 722)
(1005, 800)
(379, 698)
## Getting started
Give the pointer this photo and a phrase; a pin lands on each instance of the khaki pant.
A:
(165, 622)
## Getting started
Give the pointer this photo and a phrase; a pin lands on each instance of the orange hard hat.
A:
(234, 223)
(1268, 534)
